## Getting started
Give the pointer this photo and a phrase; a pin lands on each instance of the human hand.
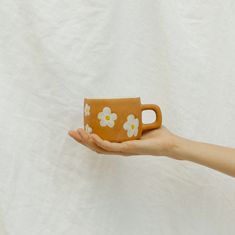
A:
(161, 142)
(157, 142)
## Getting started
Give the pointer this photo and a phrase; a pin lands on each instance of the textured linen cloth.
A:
(53, 53)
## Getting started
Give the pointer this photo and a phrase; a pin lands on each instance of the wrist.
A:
(175, 148)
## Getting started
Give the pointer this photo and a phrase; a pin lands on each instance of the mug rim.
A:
(119, 98)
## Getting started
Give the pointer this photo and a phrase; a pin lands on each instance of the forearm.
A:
(213, 156)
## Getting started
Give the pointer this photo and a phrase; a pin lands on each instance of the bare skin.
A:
(162, 142)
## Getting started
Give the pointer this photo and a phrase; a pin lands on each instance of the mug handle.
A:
(158, 122)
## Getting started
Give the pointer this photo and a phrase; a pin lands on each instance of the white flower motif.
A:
(131, 125)
(88, 129)
(87, 110)
(106, 117)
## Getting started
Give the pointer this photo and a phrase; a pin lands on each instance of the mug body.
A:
(116, 120)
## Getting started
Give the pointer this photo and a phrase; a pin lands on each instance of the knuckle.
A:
(125, 147)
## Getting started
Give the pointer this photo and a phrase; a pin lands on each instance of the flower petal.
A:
(88, 129)
(135, 131)
(130, 118)
(110, 123)
(130, 133)
(113, 116)
(103, 123)
(106, 110)
(100, 115)
(126, 125)
(136, 122)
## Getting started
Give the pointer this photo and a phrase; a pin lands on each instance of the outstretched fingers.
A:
(75, 135)
(124, 148)
(107, 145)
(85, 139)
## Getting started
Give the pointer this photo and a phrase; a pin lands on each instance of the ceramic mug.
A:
(118, 119)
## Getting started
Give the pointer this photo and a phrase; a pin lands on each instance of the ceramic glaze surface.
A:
(118, 119)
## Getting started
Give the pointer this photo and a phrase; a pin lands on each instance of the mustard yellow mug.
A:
(118, 119)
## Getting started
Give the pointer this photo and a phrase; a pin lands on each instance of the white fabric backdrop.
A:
(177, 54)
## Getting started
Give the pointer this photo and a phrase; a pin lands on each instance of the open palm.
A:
(155, 142)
